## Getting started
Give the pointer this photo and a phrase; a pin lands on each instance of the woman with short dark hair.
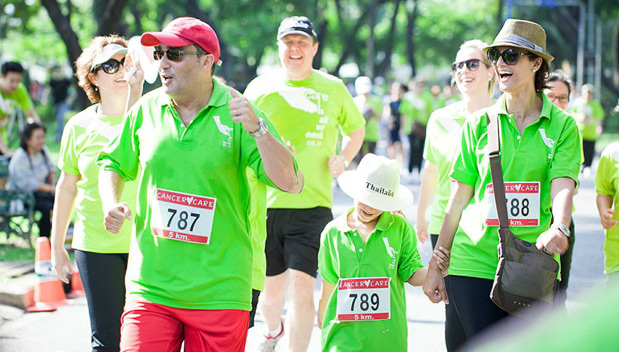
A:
(31, 170)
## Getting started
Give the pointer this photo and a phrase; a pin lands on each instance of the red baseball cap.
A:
(184, 31)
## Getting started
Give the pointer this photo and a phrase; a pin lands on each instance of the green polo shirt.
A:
(258, 223)
(607, 183)
(310, 114)
(372, 125)
(442, 143)
(588, 115)
(207, 158)
(20, 97)
(549, 148)
(82, 139)
(390, 251)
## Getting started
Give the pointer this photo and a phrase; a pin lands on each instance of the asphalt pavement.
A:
(67, 329)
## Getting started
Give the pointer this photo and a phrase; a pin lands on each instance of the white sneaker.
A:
(269, 342)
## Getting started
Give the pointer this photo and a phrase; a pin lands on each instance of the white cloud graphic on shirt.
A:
(301, 98)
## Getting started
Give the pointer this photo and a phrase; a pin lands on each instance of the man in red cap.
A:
(189, 144)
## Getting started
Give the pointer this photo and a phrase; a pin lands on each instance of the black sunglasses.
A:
(111, 66)
(172, 53)
(510, 56)
(472, 65)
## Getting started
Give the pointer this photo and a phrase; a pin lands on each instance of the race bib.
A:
(523, 204)
(182, 217)
(362, 299)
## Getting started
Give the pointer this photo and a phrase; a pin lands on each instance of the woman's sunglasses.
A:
(111, 66)
(472, 65)
(510, 56)
(173, 54)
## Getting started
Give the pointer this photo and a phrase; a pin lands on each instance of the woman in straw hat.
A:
(366, 256)
(540, 156)
(101, 256)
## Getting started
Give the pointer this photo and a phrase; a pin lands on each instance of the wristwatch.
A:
(564, 229)
(261, 131)
(345, 161)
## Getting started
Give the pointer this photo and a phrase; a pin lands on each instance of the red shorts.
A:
(154, 327)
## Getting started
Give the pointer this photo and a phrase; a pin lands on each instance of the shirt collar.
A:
(385, 221)
(547, 106)
(219, 96)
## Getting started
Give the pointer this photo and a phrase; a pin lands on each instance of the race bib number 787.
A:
(182, 217)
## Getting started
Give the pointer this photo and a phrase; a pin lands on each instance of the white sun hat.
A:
(376, 182)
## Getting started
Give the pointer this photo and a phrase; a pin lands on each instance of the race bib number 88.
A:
(182, 217)
(523, 204)
(363, 299)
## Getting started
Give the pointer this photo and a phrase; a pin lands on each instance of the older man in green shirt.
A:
(190, 263)
(309, 108)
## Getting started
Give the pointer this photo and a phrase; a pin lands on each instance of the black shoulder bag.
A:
(525, 276)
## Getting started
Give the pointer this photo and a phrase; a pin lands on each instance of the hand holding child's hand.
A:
(607, 219)
(441, 255)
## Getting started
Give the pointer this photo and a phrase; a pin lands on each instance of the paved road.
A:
(67, 329)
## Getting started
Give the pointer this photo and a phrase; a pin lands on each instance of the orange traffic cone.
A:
(77, 289)
(48, 291)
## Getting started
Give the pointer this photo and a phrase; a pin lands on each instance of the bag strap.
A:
(495, 168)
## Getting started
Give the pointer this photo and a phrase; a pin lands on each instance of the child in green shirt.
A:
(365, 257)
(606, 182)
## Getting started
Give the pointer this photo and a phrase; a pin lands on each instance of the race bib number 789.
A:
(363, 299)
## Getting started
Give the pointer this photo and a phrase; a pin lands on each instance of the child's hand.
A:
(441, 255)
(606, 219)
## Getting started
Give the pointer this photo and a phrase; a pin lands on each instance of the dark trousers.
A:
(588, 150)
(416, 152)
(566, 265)
(103, 277)
(470, 310)
(44, 202)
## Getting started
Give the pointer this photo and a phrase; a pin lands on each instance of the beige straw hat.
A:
(376, 182)
(525, 35)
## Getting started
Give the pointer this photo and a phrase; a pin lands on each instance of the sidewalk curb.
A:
(17, 284)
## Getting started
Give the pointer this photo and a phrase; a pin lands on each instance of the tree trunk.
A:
(321, 31)
(62, 24)
(386, 63)
(192, 7)
(499, 15)
(137, 17)
(349, 38)
(616, 54)
(410, 38)
(109, 22)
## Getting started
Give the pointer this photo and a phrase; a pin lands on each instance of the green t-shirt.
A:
(415, 108)
(193, 183)
(607, 183)
(390, 252)
(549, 148)
(258, 223)
(82, 139)
(587, 115)
(308, 114)
(442, 143)
(20, 97)
(371, 109)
